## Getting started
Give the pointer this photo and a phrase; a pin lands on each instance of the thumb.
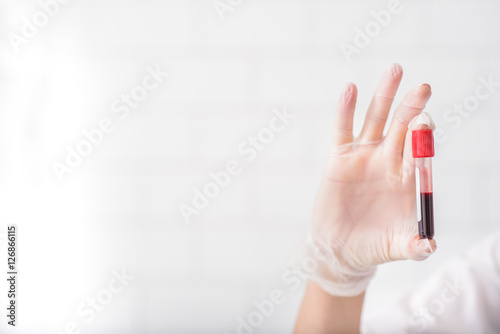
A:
(420, 249)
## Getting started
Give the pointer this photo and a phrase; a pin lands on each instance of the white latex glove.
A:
(365, 210)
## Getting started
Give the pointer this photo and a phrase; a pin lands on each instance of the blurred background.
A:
(65, 68)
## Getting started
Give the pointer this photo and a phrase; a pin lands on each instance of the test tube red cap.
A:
(422, 144)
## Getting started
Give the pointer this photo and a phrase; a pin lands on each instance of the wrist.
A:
(329, 267)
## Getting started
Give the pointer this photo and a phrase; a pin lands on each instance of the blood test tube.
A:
(423, 151)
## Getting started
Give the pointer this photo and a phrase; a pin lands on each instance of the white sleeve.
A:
(462, 297)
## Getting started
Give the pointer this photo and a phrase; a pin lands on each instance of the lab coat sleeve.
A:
(462, 297)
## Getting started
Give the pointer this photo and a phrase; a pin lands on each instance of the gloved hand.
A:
(365, 210)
